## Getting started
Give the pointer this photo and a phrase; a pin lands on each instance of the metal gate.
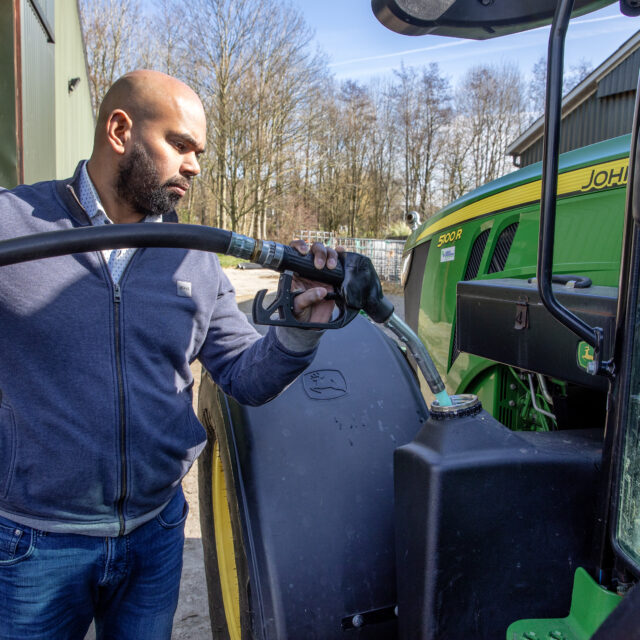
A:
(386, 255)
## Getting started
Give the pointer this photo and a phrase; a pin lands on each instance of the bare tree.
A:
(357, 119)
(324, 159)
(575, 74)
(165, 47)
(423, 106)
(382, 184)
(283, 82)
(537, 88)
(491, 102)
(111, 37)
(254, 71)
(456, 179)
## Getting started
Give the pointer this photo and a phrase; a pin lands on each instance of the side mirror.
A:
(475, 19)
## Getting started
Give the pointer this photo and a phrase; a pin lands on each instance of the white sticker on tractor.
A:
(448, 254)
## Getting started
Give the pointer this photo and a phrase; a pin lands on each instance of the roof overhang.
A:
(577, 95)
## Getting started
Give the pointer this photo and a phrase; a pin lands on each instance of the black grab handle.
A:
(580, 282)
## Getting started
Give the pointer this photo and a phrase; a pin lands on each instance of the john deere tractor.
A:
(356, 505)
(478, 477)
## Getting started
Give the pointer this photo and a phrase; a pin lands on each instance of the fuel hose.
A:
(269, 254)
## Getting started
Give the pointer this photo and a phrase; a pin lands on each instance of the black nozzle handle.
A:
(361, 290)
(303, 266)
(354, 277)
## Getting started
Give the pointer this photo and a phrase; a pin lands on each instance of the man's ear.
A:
(118, 130)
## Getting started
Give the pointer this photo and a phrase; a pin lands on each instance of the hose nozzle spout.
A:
(421, 356)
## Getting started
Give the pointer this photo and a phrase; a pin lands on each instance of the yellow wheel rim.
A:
(225, 547)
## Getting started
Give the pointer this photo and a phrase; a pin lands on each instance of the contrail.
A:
(446, 45)
(602, 19)
(398, 53)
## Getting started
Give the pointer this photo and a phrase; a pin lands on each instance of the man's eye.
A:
(180, 146)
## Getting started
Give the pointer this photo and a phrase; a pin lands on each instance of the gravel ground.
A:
(191, 621)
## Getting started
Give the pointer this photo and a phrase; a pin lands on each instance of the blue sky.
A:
(360, 48)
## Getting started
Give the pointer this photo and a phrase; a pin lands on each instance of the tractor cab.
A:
(530, 531)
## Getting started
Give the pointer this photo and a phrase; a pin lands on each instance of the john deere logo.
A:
(324, 384)
(585, 355)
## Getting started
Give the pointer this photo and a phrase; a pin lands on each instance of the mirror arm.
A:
(551, 148)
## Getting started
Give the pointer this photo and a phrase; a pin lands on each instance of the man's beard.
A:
(139, 185)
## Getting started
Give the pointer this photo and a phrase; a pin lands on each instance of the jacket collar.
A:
(68, 192)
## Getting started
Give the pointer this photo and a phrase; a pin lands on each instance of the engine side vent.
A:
(473, 266)
(413, 286)
(503, 246)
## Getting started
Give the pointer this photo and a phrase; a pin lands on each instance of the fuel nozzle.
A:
(361, 288)
(423, 360)
(357, 288)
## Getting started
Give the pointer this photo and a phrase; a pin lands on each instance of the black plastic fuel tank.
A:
(490, 525)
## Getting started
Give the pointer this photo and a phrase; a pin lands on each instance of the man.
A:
(96, 424)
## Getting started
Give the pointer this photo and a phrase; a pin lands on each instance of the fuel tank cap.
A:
(465, 404)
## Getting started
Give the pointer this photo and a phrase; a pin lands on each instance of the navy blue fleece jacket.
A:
(96, 421)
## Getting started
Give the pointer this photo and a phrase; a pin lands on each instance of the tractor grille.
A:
(455, 350)
(503, 246)
(473, 266)
(413, 286)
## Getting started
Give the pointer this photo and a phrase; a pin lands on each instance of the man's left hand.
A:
(311, 306)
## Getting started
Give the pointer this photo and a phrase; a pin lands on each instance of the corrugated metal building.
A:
(46, 121)
(599, 108)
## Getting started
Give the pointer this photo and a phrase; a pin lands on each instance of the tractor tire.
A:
(225, 558)
(296, 496)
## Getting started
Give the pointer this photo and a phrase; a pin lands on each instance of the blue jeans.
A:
(52, 585)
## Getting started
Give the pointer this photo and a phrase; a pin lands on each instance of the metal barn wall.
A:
(74, 116)
(8, 136)
(45, 128)
(623, 78)
(38, 99)
(605, 114)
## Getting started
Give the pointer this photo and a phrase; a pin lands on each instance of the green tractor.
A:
(477, 258)
(354, 505)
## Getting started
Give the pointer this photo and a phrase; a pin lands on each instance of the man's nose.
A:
(190, 165)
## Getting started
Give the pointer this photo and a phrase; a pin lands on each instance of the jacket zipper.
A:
(77, 200)
(117, 297)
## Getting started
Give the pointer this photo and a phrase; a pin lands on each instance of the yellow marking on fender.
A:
(594, 178)
(225, 547)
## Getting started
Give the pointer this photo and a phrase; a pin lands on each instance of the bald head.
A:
(144, 95)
